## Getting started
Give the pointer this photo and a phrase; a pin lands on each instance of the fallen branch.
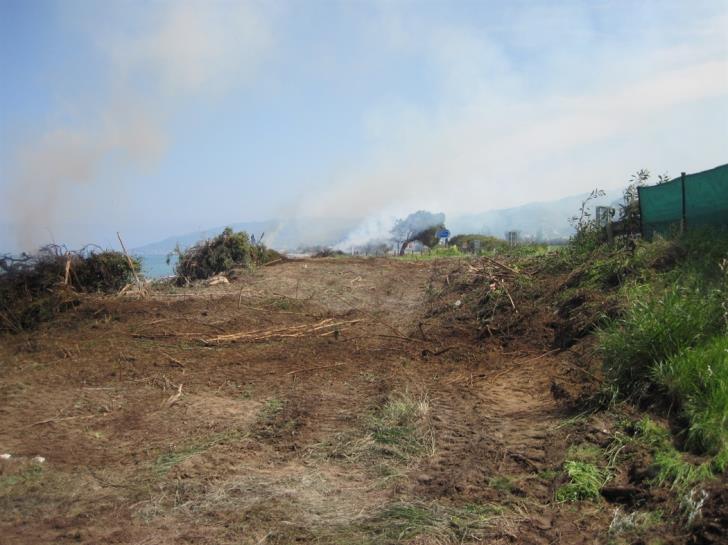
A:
(173, 398)
(172, 359)
(140, 286)
(503, 265)
(503, 285)
(282, 332)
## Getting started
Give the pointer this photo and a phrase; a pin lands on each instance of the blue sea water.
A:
(156, 266)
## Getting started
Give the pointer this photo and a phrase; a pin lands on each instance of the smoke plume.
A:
(190, 51)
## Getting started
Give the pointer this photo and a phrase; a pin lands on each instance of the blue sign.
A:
(443, 233)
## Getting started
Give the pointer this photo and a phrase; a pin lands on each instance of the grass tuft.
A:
(585, 482)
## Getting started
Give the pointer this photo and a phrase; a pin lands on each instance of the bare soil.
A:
(155, 428)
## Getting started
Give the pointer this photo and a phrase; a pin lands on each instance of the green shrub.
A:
(105, 271)
(220, 254)
(697, 380)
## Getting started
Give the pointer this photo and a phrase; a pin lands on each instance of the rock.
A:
(215, 280)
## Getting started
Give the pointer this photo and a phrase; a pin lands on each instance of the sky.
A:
(157, 118)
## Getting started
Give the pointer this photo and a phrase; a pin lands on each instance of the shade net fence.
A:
(691, 201)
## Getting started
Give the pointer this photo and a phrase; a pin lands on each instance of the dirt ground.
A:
(315, 401)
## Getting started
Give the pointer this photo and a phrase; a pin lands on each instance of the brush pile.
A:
(223, 253)
(34, 288)
(327, 252)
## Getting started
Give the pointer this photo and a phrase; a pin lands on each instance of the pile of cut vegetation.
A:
(223, 253)
(328, 252)
(484, 242)
(35, 287)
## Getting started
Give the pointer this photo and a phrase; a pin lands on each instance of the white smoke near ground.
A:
(190, 50)
(375, 229)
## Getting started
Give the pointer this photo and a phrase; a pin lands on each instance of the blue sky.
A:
(155, 118)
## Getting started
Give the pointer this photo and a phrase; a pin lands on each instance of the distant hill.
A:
(546, 220)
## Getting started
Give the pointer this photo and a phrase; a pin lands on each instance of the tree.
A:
(419, 226)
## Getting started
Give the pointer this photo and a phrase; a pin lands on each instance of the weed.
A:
(691, 504)
(585, 482)
(671, 467)
(635, 522)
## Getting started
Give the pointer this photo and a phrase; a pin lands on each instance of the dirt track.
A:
(281, 439)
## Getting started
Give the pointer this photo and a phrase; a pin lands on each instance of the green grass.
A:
(671, 467)
(435, 253)
(656, 326)
(585, 482)
(697, 379)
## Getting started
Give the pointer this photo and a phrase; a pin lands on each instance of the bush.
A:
(220, 254)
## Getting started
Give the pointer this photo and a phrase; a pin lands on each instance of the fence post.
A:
(683, 223)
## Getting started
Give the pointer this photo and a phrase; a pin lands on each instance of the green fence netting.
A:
(705, 196)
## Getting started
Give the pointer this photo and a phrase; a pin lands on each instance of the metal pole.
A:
(683, 223)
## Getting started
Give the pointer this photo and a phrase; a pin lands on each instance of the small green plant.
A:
(585, 482)
(670, 466)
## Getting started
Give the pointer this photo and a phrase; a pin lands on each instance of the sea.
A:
(156, 266)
